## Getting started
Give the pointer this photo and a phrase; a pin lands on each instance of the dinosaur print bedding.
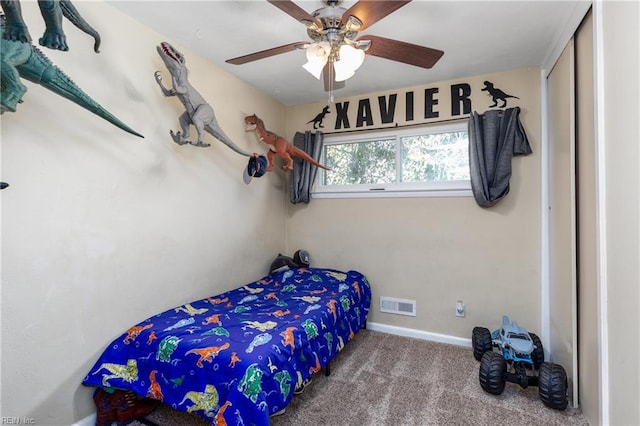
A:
(236, 358)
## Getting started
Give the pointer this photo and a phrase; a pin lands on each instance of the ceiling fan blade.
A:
(266, 53)
(401, 51)
(371, 11)
(296, 12)
(329, 75)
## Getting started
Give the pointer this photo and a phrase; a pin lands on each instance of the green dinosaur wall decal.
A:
(52, 12)
(23, 60)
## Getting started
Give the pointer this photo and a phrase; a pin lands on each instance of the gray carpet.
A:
(382, 379)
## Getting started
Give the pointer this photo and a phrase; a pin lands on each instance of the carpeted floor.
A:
(382, 379)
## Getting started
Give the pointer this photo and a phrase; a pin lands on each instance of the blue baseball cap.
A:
(256, 167)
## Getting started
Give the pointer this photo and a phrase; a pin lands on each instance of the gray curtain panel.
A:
(494, 138)
(304, 174)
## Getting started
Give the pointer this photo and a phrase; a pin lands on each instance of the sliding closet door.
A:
(562, 224)
(588, 350)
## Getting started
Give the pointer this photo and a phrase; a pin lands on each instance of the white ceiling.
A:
(477, 37)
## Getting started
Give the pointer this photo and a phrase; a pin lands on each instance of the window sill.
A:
(445, 193)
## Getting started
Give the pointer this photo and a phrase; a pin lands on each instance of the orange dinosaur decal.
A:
(207, 354)
(220, 421)
(331, 304)
(319, 291)
(217, 300)
(356, 286)
(234, 359)
(288, 338)
(152, 337)
(154, 390)
(213, 319)
(134, 332)
(271, 295)
(314, 370)
(280, 313)
(278, 145)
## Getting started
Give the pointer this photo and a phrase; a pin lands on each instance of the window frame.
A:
(459, 188)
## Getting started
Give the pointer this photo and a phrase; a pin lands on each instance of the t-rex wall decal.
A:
(318, 119)
(23, 60)
(496, 94)
(198, 111)
(52, 13)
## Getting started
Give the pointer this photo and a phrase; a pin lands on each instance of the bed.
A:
(237, 357)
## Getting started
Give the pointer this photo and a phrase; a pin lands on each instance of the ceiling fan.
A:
(336, 51)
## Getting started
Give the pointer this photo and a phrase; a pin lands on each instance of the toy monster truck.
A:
(521, 355)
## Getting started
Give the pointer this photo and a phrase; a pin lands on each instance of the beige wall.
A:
(101, 229)
(621, 133)
(439, 250)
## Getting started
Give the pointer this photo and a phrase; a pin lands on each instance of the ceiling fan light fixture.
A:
(363, 45)
(350, 60)
(353, 24)
(342, 73)
(314, 68)
(317, 57)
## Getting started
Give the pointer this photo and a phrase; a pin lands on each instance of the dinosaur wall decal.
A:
(496, 94)
(277, 145)
(52, 12)
(318, 119)
(24, 60)
(198, 112)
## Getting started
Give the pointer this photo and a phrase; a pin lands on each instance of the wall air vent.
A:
(391, 305)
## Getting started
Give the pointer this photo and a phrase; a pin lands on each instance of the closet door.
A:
(587, 225)
(562, 218)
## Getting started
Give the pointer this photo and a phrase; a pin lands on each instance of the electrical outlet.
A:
(460, 310)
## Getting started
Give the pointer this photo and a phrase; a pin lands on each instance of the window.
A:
(412, 162)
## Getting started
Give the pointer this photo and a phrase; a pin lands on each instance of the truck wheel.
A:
(537, 356)
(481, 342)
(492, 370)
(552, 385)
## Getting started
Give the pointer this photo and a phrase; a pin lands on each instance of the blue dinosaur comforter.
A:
(237, 357)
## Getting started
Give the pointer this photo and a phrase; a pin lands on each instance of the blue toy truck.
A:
(520, 360)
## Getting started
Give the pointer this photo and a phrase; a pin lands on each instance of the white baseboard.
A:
(90, 420)
(419, 334)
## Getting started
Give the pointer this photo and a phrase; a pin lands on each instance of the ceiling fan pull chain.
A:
(331, 77)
